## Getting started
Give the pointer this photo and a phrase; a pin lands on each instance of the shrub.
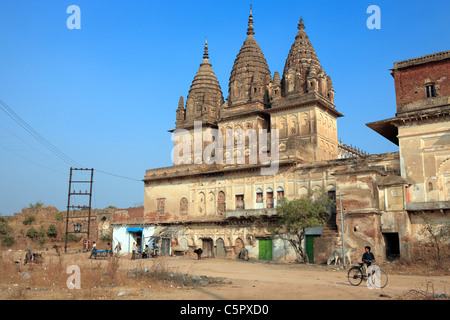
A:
(32, 233)
(8, 241)
(4, 228)
(51, 231)
(29, 220)
(59, 216)
(73, 238)
(36, 206)
(42, 240)
(106, 237)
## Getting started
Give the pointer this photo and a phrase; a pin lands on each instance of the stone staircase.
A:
(330, 230)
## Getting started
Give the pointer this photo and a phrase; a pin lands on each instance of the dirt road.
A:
(267, 281)
(252, 280)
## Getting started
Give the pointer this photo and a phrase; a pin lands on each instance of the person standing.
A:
(118, 249)
(133, 251)
(108, 249)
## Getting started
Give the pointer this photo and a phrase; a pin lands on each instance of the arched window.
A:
(280, 193)
(259, 196)
(201, 204)
(430, 186)
(269, 198)
(184, 204)
(221, 206)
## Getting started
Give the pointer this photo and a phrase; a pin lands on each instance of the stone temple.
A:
(212, 199)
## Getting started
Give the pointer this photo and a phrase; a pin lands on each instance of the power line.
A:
(29, 145)
(46, 143)
(35, 134)
(31, 161)
(116, 175)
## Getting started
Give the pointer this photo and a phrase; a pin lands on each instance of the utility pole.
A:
(76, 212)
(342, 228)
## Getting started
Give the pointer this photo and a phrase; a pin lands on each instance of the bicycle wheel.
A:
(379, 279)
(355, 276)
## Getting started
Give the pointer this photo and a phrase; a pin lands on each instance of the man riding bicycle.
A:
(367, 259)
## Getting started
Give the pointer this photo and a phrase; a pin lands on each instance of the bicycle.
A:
(378, 278)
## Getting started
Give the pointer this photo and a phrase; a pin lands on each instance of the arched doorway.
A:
(207, 247)
(221, 252)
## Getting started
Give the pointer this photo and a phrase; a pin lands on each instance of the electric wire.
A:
(31, 161)
(5, 108)
(14, 116)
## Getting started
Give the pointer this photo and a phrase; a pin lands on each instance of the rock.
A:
(26, 275)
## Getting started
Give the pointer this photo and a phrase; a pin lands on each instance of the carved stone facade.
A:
(214, 205)
(299, 106)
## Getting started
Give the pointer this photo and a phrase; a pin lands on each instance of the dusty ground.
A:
(222, 280)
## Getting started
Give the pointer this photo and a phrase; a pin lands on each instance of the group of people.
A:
(146, 253)
(367, 259)
(108, 249)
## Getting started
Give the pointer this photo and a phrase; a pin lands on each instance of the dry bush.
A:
(428, 293)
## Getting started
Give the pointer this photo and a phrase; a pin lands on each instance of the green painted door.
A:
(310, 247)
(265, 249)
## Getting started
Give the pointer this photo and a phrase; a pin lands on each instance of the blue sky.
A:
(106, 95)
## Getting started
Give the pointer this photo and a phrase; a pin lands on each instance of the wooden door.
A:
(265, 249)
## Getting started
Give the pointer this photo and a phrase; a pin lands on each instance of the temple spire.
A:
(205, 54)
(250, 30)
(301, 25)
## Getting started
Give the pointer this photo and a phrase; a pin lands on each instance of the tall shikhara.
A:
(300, 104)
(302, 71)
(204, 98)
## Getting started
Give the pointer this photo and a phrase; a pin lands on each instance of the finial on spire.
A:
(250, 29)
(301, 25)
(205, 54)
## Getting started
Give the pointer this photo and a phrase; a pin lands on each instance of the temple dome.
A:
(205, 95)
(302, 71)
(250, 75)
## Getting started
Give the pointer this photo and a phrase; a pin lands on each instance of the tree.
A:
(51, 231)
(436, 234)
(296, 216)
